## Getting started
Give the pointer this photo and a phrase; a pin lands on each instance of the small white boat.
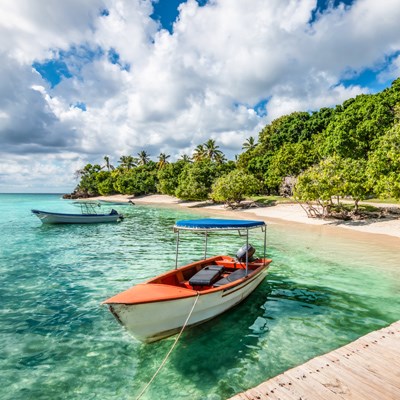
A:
(201, 290)
(87, 216)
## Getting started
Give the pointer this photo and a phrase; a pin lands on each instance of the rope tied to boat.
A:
(171, 349)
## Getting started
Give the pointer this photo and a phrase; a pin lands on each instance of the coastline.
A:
(281, 213)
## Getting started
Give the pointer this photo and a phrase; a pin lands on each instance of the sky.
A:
(83, 79)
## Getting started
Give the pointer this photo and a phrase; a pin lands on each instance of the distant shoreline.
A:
(288, 213)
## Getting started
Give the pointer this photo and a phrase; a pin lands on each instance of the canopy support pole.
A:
(265, 242)
(247, 251)
(205, 247)
(177, 249)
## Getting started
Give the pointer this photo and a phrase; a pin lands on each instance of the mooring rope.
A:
(171, 349)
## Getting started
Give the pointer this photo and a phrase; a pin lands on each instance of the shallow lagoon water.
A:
(58, 342)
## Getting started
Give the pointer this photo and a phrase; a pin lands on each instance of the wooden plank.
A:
(339, 385)
(387, 345)
(366, 369)
(295, 386)
(375, 351)
(364, 379)
(309, 387)
(373, 362)
(375, 365)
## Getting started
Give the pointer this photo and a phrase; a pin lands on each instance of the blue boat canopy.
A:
(216, 224)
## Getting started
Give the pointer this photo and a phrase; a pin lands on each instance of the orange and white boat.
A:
(194, 293)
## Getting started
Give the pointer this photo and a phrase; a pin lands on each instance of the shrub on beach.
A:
(234, 187)
(137, 181)
(196, 180)
(168, 177)
(334, 177)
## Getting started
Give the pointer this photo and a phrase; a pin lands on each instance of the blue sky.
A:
(105, 77)
(166, 12)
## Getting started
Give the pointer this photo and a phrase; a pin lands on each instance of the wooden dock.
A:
(367, 369)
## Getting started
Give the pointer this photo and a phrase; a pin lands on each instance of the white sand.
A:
(294, 213)
(285, 212)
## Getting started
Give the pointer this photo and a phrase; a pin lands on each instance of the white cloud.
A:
(53, 173)
(31, 29)
(392, 71)
(170, 92)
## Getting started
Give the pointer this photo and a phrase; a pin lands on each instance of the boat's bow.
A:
(152, 311)
(150, 293)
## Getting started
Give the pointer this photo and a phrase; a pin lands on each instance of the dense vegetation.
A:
(352, 150)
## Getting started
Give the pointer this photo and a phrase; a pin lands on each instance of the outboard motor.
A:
(241, 254)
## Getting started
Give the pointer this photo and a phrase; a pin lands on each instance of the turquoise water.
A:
(58, 342)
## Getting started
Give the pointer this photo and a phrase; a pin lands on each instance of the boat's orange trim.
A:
(150, 292)
(172, 285)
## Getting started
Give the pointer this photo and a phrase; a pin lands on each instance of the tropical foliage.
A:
(349, 151)
(196, 179)
(234, 187)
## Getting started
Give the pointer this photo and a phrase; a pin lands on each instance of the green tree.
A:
(290, 160)
(195, 180)
(88, 181)
(105, 183)
(234, 187)
(319, 120)
(212, 151)
(185, 157)
(249, 144)
(383, 169)
(333, 177)
(220, 158)
(319, 184)
(128, 162)
(143, 157)
(208, 151)
(291, 128)
(168, 177)
(354, 180)
(107, 164)
(199, 153)
(352, 133)
(138, 181)
(163, 160)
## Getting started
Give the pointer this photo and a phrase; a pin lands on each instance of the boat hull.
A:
(59, 218)
(152, 321)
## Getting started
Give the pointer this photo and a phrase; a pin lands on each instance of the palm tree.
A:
(212, 151)
(249, 144)
(128, 162)
(199, 153)
(143, 157)
(162, 160)
(108, 165)
(219, 158)
(186, 158)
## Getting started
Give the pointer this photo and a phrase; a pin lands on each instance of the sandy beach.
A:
(291, 213)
